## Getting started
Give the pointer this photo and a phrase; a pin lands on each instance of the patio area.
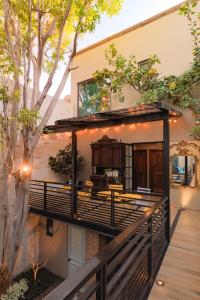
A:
(137, 216)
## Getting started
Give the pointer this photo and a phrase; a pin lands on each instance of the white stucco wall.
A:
(167, 36)
(29, 247)
(55, 248)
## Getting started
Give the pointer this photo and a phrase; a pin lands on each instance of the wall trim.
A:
(130, 29)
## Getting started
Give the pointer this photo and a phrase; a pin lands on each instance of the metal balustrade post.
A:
(101, 278)
(150, 251)
(166, 173)
(112, 208)
(45, 195)
(74, 175)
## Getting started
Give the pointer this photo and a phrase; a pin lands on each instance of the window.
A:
(89, 98)
(183, 171)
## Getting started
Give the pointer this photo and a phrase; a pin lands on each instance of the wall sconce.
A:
(25, 170)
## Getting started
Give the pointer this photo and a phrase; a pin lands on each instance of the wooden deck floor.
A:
(180, 270)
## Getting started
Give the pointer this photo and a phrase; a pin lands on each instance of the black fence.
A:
(126, 267)
(109, 214)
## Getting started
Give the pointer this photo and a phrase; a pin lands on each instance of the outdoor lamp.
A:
(160, 282)
(25, 170)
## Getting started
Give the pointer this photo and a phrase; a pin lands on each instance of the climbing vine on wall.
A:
(182, 90)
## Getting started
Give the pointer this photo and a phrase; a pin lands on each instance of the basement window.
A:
(49, 227)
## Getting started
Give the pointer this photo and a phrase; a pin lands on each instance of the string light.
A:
(105, 129)
(122, 125)
(132, 126)
(175, 120)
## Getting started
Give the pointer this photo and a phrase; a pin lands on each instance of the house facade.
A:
(168, 36)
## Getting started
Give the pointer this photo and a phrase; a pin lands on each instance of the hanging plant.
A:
(62, 162)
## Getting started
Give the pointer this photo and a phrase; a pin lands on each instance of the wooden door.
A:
(76, 248)
(140, 168)
(156, 170)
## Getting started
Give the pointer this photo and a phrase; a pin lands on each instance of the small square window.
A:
(49, 227)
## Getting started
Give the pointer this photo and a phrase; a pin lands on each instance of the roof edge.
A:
(131, 28)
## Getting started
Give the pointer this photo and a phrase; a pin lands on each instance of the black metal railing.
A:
(112, 211)
(126, 267)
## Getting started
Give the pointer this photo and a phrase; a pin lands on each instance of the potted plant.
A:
(62, 162)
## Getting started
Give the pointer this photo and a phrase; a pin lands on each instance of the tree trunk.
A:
(13, 215)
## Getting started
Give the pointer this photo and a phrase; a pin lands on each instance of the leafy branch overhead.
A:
(182, 90)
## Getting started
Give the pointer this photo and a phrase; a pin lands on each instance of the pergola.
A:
(138, 114)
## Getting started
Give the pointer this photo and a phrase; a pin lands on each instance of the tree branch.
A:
(50, 79)
(49, 31)
(56, 96)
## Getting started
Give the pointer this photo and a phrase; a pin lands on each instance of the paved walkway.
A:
(180, 269)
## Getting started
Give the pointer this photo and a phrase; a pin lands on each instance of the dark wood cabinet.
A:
(95, 155)
(107, 154)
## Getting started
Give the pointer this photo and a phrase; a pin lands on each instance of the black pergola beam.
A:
(152, 117)
(74, 175)
(168, 107)
(104, 230)
(166, 184)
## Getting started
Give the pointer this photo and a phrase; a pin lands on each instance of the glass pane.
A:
(183, 171)
(90, 98)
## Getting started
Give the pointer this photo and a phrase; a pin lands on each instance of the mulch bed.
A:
(45, 280)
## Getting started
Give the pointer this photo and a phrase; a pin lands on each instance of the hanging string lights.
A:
(116, 128)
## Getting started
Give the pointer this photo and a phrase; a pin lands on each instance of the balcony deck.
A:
(106, 216)
(180, 269)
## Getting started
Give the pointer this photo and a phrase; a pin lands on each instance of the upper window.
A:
(90, 100)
